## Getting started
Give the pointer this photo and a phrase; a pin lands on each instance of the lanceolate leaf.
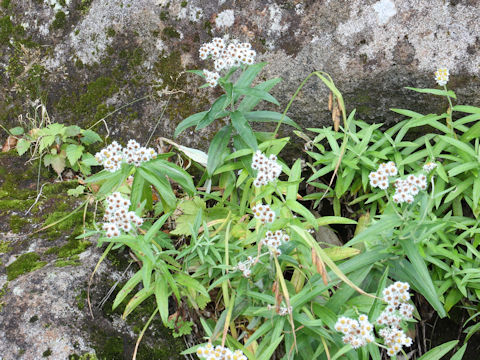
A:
(190, 121)
(217, 148)
(244, 130)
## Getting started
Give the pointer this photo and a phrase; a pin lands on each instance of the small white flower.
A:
(429, 166)
(441, 76)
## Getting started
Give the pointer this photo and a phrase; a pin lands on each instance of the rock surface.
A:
(87, 58)
(44, 312)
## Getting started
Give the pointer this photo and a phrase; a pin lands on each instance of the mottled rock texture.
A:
(86, 58)
(44, 312)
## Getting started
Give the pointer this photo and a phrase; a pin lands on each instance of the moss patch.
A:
(24, 264)
(5, 247)
(169, 32)
(3, 291)
(47, 353)
(60, 20)
(17, 223)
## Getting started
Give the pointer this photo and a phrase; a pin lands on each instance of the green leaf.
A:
(190, 121)
(217, 149)
(249, 102)
(438, 352)
(147, 268)
(161, 296)
(459, 145)
(260, 94)
(302, 210)
(434, 92)
(17, 131)
(72, 130)
(174, 172)
(467, 109)
(77, 191)
(409, 113)
(156, 227)
(58, 164)
(337, 253)
(196, 72)
(270, 116)
(214, 112)
(247, 77)
(89, 160)
(89, 137)
(127, 288)
(139, 297)
(417, 269)
(74, 152)
(295, 174)
(244, 130)
(161, 184)
(459, 354)
(22, 146)
(327, 220)
(471, 133)
(46, 141)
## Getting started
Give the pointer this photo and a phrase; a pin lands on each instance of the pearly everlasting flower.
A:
(110, 157)
(113, 155)
(394, 339)
(268, 168)
(225, 56)
(211, 77)
(380, 177)
(117, 217)
(356, 333)
(263, 213)
(396, 295)
(209, 352)
(274, 240)
(245, 266)
(406, 189)
(441, 76)
(429, 166)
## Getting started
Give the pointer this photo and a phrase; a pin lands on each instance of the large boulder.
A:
(88, 58)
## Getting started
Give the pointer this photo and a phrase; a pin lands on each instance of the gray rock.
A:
(101, 55)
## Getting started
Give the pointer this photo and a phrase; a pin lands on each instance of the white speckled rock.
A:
(372, 49)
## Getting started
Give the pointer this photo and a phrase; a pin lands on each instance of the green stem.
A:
(450, 117)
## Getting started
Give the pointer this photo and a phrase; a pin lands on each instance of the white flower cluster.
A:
(113, 155)
(395, 339)
(268, 168)
(211, 77)
(405, 190)
(396, 295)
(263, 213)
(218, 352)
(379, 178)
(136, 154)
(117, 217)
(225, 56)
(356, 333)
(245, 266)
(110, 157)
(274, 240)
(441, 76)
(429, 166)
